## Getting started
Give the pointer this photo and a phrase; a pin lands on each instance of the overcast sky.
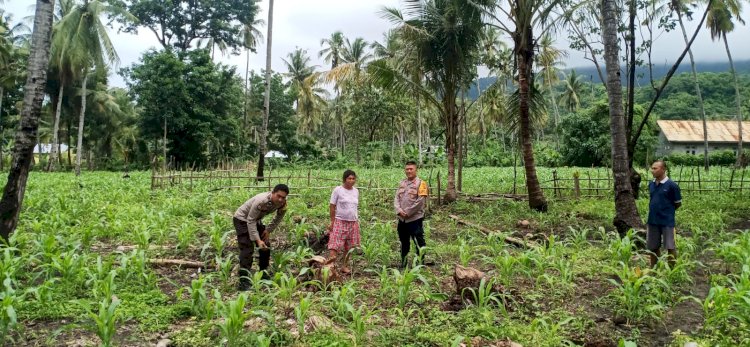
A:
(303, 23)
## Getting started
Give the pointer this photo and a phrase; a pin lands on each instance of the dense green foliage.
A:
(198, 101)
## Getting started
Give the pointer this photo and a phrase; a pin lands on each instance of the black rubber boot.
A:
(244, 284)
(264, 260)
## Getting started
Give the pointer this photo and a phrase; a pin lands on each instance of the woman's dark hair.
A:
(348, 173)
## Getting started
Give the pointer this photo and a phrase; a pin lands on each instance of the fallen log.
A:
(177, 262)
(509, 239)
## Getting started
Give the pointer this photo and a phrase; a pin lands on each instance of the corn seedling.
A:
(105, 319)
(465, 253)
(225, 265)
(233, 318)
(301, 312)
(404, 283)
(281, 261)
(580, 237)
(200, 305)
(286, 285)
(622, 249)
(143, 238)
(186, 236)
(484, 297)
(359, 322)
(10, 265)
(632, 294)
(9, 301)
(340, 301)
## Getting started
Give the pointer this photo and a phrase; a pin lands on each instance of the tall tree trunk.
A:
(79, 145)
(461, 134)
(482, 126)
(23, 149)
(631, 70)
(164, 145)
(697, 92)
(738, 102)
(70, 140)
(626, 212)
(451, 127)
(247, 91)
(556, 109)
(525, 60)
(2, 161)
(54, 155)
(267, 97)
(419, 130)
(634, 139)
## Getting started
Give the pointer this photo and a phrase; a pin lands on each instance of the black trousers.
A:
(410, 231)
(247, 247)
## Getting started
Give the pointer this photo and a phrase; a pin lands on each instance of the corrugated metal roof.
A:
(692, 131)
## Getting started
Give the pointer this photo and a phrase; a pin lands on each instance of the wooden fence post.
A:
(576, 185)
(554, 183)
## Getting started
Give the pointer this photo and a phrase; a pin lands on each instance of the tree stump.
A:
(323, 272)
(466, 278)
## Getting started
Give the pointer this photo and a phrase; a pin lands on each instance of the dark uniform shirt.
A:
(661, 207)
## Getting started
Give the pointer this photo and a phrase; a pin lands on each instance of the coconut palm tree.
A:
(251, 35)
(719, 21)
(626, 211)
(549, 58)
(571, 97)
(298, 66)
(333, 47)
(81, 43)
(12, 200)
(267, 96)
(526, 17)
(311, 104)
(446, 36)
(680, 7)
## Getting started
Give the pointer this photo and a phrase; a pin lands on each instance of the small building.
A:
(275, 154)
(686, 136)
(46, 148)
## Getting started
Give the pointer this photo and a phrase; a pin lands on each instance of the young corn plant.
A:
(465, 253)
(632, 294)
(579, 237)
(200, 305)
(340, 301)
(225, 265)
(622, 249)
(359, 323)
(301, 312)
(105, 319)
(484, 296)
(286, 285)
(233, 318)
(11, 265)
(9, 300)
(281, 261)
(143, 237)
(186, 236)
(405, 282)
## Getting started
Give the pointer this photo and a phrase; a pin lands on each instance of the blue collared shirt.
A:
(661, 208)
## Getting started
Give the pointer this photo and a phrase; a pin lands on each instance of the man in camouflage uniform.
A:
(251, 231)
(409, 205)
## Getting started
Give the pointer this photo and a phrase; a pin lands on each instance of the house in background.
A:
(686, 136)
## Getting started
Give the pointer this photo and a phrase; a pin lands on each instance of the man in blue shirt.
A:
(665, 199)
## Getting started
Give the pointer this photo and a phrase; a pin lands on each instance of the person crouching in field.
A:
(665, 199)
(251, 231)
(344, 227)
